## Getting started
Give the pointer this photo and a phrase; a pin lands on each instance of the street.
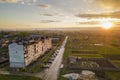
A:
(53, 72)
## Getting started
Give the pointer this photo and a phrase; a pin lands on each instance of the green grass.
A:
(77, 42)
(108, 49)
(113, 75)
(14, 77)
(87, 55)
(62, 78)
(117, 62)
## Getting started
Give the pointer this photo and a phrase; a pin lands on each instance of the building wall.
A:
(28, 53)
(16, 55)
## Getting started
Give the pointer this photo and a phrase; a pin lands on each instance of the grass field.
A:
(81, 41)
(87, 55)
(113, 75)
(117, 62)
(13, 77)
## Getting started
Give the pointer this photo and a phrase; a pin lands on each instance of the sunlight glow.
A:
(107, 25)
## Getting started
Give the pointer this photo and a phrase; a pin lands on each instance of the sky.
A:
(35, 14)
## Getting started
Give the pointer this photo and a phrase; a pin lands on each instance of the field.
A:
(98, 64)
(97, 50)
(13, 77)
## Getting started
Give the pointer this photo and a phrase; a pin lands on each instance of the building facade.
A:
(23, 53)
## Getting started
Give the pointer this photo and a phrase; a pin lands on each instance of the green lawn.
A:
(14, 77)
(117, 62)
(76, 42)
(62, 78)
(113, 75)
(87, 55)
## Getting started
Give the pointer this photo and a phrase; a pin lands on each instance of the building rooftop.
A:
(31, 39)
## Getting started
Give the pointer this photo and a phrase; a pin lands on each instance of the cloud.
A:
(51, 14)
(109, 3)
(16, 1)
(44, 5)
(48, 21)
(90, 23)
(34, 0)
(117, 23)
(45, 14)
(10, 1)
(100, 15)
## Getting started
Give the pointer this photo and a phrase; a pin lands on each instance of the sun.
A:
(107, 25)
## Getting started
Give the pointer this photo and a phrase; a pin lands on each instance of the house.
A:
(55, 40)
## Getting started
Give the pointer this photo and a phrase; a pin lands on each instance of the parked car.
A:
(50, 61)
(47, 65)
(52, 58)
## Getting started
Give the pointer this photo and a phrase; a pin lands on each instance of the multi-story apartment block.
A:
(24, 52)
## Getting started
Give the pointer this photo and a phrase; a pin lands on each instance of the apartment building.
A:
(24, 52)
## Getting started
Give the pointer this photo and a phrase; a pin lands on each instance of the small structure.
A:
(71, 76)
(72, 59)
(3, 45)
(54, 40)
(7, 35)
(87, 75)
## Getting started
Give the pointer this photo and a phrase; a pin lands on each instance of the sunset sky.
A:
(33, 14)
